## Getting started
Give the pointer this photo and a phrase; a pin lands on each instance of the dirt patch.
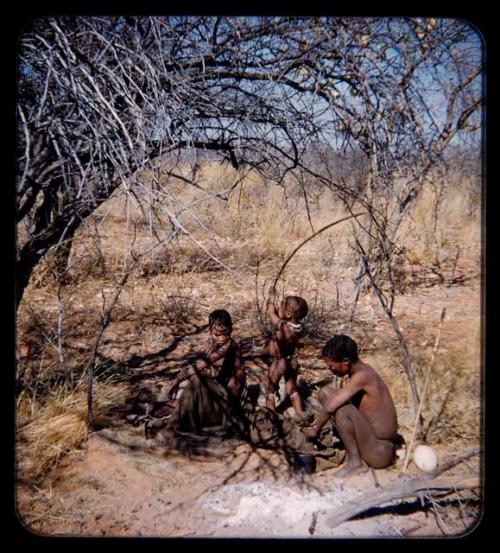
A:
(121, 484)
(125, 485)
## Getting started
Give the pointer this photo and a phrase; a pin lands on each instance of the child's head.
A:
(293, 308)
(221, 325)
(340, 353)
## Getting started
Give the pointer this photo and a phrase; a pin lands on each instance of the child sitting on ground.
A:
(363, 410)
(287, 329)
(220, 367)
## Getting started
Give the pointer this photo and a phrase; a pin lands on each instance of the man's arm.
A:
(313, 431)
(337, 399)
(342, 396)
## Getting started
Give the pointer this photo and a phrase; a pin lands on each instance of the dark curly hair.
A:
(220, 317)
(296, 306)
(340, 347)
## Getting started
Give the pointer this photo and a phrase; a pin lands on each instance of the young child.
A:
(221, 360)
(363, 410)
(287, 329)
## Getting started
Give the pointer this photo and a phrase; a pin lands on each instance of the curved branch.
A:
(310, 238)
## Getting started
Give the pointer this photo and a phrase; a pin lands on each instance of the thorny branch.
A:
(102, 100)
(365, 107)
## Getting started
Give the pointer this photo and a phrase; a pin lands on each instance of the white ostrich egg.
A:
(425, 458)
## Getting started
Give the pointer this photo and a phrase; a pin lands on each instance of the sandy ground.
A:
(121, 484)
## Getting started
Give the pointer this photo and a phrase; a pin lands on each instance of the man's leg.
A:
(362, 446)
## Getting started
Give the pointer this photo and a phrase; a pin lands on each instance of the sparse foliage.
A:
(102, 98)
(359, 114)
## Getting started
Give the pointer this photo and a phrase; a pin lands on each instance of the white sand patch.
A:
(273, 506)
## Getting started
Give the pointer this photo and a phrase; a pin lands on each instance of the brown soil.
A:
(121, 484)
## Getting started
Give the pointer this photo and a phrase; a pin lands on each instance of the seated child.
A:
(287, 329)
(215, 378)
(363, 410)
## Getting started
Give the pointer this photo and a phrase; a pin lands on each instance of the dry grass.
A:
(430, 237)
(258, 224)
(452, 407)
(58, 424)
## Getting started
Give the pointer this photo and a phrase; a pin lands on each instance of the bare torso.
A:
(227, 366)
(283, 341)
(375, 403)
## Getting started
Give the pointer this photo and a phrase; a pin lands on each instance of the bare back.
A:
(369, 394)
(376, 403)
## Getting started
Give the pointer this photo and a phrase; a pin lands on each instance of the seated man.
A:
(363, 410)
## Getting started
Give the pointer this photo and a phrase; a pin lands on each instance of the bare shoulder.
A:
(366, 375)
(374, 383)
(369, 370)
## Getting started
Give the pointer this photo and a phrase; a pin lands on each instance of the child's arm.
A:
(182, 375)
(216, 353)
(213, 353)
(272, 312)
(237, 381)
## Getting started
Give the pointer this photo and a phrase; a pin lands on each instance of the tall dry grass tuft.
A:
(441, 220)
(178, 303)
(59, 425)
(254, 209)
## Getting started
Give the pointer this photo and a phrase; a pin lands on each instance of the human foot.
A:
(351, 469)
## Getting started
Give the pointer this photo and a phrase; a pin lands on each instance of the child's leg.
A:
(291, 386)
(276, 371)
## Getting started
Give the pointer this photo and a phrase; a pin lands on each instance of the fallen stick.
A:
(312, 526)
(374, 477)
(399, 491)
(450, 463)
